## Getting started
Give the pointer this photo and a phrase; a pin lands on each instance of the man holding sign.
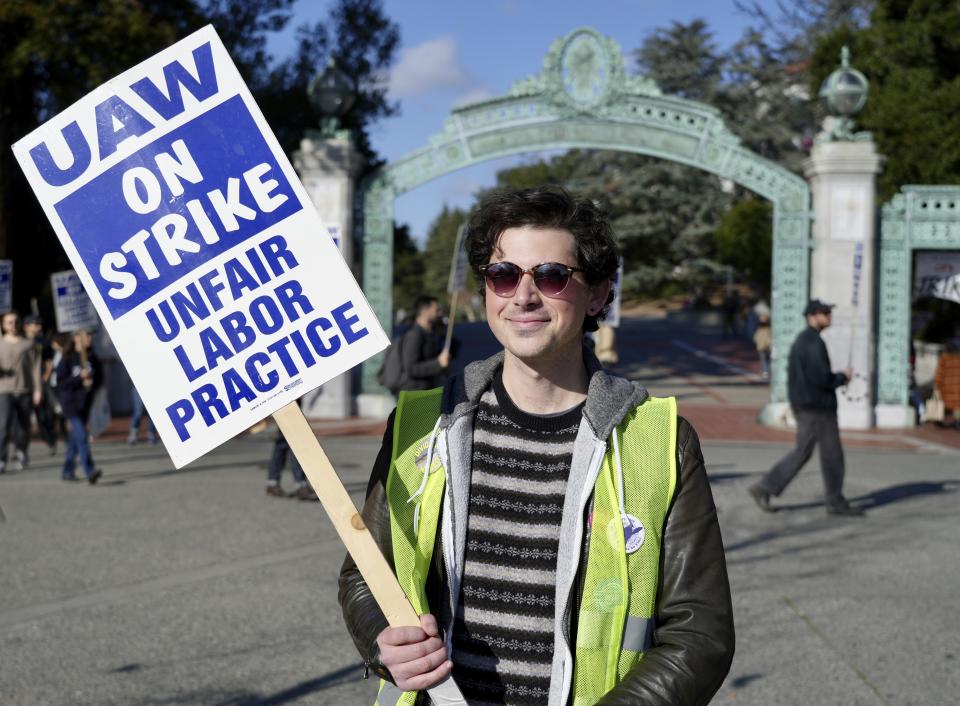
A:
(551, 522)
(209, 267)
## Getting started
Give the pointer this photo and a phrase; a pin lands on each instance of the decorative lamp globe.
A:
(844, 92)
(331, 93)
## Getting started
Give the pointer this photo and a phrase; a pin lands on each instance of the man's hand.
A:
(848, 372)
(416, 657)
(37, 397)
(444, 358)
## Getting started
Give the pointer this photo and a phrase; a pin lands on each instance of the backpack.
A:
(391, 374)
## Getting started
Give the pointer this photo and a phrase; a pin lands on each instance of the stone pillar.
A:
(842, 179)
(328, 168)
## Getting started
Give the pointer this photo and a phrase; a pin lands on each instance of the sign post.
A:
(457, 282)
(197, 244)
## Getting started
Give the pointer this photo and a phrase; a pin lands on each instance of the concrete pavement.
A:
(192, 587)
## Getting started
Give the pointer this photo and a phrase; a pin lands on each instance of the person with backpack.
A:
(417, 359)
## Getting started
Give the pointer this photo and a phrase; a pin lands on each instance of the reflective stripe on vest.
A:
(417, 413)
(615, 622)
(615, 625)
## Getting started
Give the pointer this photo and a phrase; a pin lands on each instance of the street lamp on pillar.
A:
(843, 94)
(332, 94)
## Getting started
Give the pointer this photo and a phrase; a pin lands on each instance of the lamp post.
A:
(332, 94)
(843, 94)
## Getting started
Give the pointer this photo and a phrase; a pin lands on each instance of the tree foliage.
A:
(408, 268)
(438, 250)
(744, 240)
(910, 53)
(53, 52)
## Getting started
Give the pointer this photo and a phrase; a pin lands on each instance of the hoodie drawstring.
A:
(423, 481)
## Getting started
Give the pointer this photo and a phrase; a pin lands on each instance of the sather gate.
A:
(584, 99)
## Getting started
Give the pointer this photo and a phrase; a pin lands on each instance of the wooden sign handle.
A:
(345, 517)
(355, 535)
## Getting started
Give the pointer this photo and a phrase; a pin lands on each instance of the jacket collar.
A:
(609, 396)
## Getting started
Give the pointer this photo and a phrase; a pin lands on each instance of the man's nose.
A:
(526, 290)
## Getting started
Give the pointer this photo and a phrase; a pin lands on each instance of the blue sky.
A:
(452, 52)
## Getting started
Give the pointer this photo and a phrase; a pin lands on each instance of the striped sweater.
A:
(503, 632)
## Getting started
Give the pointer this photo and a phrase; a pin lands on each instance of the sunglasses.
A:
(550, 278)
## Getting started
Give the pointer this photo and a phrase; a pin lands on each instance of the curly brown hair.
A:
(546, 207)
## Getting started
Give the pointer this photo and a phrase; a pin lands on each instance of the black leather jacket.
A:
(693, 641)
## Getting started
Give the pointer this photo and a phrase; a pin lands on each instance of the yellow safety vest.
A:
(619, 587)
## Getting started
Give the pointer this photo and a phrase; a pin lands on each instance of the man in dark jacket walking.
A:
(812, 389)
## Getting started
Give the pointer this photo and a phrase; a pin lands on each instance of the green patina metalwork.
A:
(585, 99)
(918, 218)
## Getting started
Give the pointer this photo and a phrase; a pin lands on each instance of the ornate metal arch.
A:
(585, 99)
(918, 218)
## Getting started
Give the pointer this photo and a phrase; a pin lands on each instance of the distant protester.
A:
(20, 391)
(79, 374)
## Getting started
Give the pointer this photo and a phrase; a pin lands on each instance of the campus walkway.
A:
(192, 587)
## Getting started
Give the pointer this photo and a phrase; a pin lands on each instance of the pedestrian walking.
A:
(550, 521)
(20, 391)
(43, 353)
(137, 412)
(79, 375)
(279, 455)
(812, 390)
(763, 340)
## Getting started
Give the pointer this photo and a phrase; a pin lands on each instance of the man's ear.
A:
(600, 296)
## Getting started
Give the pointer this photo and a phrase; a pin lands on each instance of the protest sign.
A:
(199, 248)
(72, 307)
(456, 283)
(937, 275)
(6, 285)
(458, 266)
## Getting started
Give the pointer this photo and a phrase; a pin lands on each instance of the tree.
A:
(408, 268)
(910, 52)
(769, 101)
(744, 240)
(56, 51)
(364, 45)
(684, 61)
(438, 251)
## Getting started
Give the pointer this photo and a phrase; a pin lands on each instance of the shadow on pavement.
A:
(744, 679)
(287, 696)
(297, 692)
(885, 496)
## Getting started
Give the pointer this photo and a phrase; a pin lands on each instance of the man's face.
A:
(10, 322)
(531, 326)
(821, 320)
(32, 330)
(433, 312)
